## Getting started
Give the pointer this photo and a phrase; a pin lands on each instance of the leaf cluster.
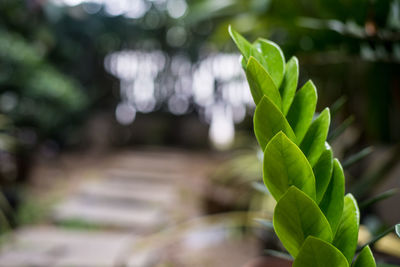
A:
(315, 221)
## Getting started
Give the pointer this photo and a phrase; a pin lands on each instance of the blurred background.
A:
(126, 126)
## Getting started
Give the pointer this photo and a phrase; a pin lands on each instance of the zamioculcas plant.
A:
(315, 221)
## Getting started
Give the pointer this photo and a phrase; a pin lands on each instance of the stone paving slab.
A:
(159, 161)
(50, 246)
(110, 215)
(145, 175)
(129, 192)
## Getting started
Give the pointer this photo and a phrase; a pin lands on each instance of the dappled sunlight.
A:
(215, 87)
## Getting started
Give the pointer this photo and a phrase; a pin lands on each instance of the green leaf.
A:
(261, 83)
(318, 253)
(285, 165)
(397, 228)
(365, 259)
(296, 217)
(301, 111)
(274, 60)
(332, 202)
(347, 234)
(247, 49)
(314, 140)
(289, 84)
(268, 121)
(323, 172)
(244, 46)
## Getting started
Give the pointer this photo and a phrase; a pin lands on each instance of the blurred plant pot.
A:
(268, 262)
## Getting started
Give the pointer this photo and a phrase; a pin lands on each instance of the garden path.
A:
(109, 208)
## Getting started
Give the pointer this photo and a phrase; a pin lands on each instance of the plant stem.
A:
(377, 238)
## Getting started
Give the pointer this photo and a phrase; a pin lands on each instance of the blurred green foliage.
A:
(34, 93)
(51, 57)
(352, 47)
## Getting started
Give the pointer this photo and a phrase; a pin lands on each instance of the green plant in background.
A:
(316, 222)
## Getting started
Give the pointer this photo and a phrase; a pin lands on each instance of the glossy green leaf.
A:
(347, 234)
(365, 258)
(323, 172)
(261, 83)
(244, 46)
(289, 84)
(296, 217)
(268, 121)
(246, 49)
(285, 165)
(318, 253)
(332, 201)
(301, 111)
(274, 60)
(397, 229)
(314, 140)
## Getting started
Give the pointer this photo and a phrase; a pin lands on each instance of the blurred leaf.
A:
(296, 217)
(378, 237)
(4, 224)
(342, 127)
(313, 142)
(337, 105)
(373, 178)
(393, 20)
(278, 254)
(207, 9)
(332, 202)
(301, 111)
(397, 228)
(268, 121)
(4, 209)
(266, 223)
(289, 84)
(260, 187)
(357, 157)
(347, 234)
(261, 83)
(349, 28)
(319, 253)
(365, 258)
(285, 165)
(387, 194)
